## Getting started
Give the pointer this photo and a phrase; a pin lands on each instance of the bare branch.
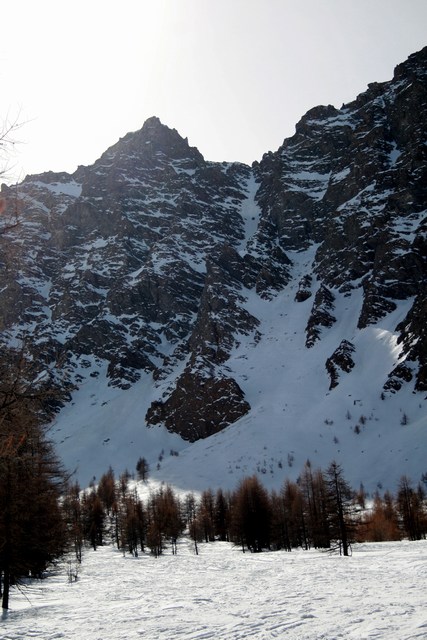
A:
(8, 141)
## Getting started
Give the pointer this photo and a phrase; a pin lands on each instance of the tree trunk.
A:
(6, 589)
(343, 530)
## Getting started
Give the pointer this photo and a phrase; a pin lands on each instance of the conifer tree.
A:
(411, 509)
(142, 468)
(222, 514)
(93, 515)
(315, 496)
(134, 524)
(32, 527)
(381, 523)
(251, 515)
(107, 490)
(164, 520)
(340, 498)
(206, 515)
(74, 518)
(190, 515)
(280, 525)
(294, 514)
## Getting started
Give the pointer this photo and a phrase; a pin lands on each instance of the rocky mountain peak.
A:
(156, 139)
(155, 149)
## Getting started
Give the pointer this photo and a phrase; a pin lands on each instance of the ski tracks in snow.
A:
(222, 594)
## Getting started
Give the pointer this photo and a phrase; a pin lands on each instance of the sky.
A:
(234, 76)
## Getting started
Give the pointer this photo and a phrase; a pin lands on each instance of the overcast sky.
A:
(234, 76)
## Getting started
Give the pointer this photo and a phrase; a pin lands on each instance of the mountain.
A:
(247, 318)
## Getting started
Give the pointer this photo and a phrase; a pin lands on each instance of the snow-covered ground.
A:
(378, 593)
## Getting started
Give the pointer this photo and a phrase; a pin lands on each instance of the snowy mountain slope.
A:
(294, 415)
(248, 318)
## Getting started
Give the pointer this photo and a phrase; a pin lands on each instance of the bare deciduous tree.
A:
(9, 201)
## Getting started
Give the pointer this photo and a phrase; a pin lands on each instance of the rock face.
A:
(321, 315)
(353, 182)
(341, 360)
(144, 261)
(199, 405)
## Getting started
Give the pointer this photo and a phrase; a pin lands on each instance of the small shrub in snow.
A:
(404, 419)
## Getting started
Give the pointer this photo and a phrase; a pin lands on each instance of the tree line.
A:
(319, 510)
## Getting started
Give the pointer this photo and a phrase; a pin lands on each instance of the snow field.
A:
(224, 594)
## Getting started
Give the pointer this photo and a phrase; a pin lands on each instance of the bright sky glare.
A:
(233, 75)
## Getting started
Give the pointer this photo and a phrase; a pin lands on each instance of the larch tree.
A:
(142, 469)
(381, 522)
(294, 514)
(222, 515)
(315, 496)
(206, 515)
(280, 525)
(134, 523)
(340, 499)
(93, 515)
(32, 527)
(165, 521)
(411, 509)
(107, 491)
(251, 515)
(190, 517)
(74, 518)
